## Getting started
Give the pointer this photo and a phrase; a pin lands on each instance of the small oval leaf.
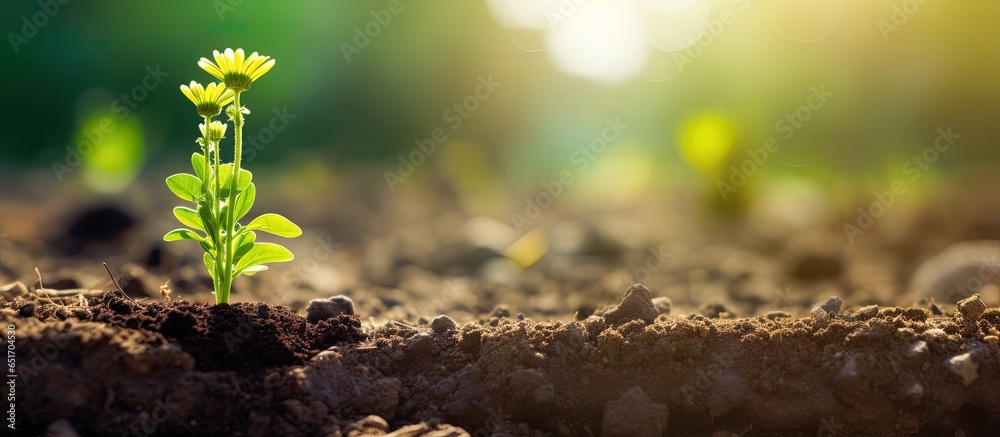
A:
(207, 217)
(182, 234)
(198, 164)
(210, 265)
(189, 217)
(244, 181)
(185, 186)
(244, 201)
(262, 253)
(244, 243)
(250, 271)
(275, 224)
(226, 171)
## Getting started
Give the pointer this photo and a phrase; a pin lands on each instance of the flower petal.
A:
(212, 91)
(211, 68)
(220, 59)
(227, 97)
(263, 69)
(187, 92)
(256, 63)
(253, 58)
(238, 60)
(229, 58)
(199, 92)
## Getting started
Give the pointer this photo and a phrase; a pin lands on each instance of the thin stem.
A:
(206, 149)
(210, 147)
(231, 215)
(216, 213)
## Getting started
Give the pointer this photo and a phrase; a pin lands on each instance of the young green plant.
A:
(222, 193)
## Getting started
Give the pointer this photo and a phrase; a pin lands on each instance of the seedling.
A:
(222, 193)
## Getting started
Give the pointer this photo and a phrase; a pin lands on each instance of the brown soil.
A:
(737, 334)
(118, 367)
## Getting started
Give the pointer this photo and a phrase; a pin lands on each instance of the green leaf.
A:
(244, 243)
(244, 201)
(198, 164)
(223, 214)
(245, 178)
(208, 219)
(250, 271)
(189, 217)
(275, 224)
(182, 234)
(262, 253)
(185, 186)
(210, 264)
(226, 171)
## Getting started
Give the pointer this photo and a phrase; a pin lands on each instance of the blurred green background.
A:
(365, 80)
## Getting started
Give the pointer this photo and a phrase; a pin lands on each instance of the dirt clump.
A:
(636, 305)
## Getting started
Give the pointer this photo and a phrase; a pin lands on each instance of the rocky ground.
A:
(113, 366)
(445, 321)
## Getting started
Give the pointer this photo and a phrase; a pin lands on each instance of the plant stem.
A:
(212, 145)
(216, 213)
(207, 148)
(230, 213)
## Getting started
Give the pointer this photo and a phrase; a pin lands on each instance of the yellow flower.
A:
(236, 69)
(216, 131)
(209, 100)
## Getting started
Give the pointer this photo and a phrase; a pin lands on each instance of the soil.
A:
(700, 325)
(117, 367)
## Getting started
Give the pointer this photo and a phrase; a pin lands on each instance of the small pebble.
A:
(322, 309)
(965, 367)
(819, 314)
(917, 349)
(442, 324)
(832, 305)
(971, 307)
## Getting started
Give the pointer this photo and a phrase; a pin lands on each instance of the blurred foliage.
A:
(892, 90)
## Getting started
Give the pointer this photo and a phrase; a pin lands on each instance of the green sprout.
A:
(223, 193)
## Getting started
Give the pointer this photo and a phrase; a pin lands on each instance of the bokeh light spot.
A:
(704, 140)
(117, 152)
(676, 30)
(528, 249)
(601, 41)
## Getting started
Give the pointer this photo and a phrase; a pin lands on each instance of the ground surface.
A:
(117, 367)
(726, 340)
